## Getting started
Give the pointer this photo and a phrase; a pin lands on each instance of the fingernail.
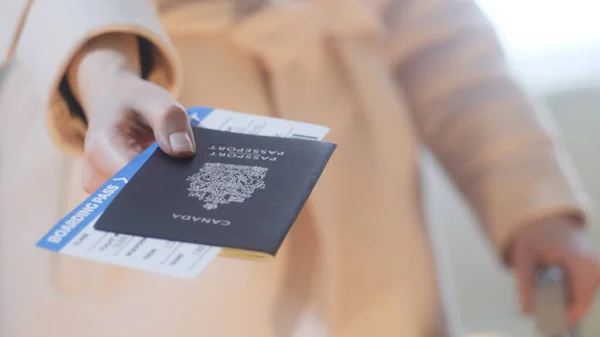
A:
(181, 142)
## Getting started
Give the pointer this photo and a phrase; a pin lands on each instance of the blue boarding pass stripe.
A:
(74, 222)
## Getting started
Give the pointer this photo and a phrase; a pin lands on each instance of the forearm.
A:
(495, 144)
(99, 62)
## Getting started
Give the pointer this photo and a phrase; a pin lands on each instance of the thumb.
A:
(168, 120)
(173, 132)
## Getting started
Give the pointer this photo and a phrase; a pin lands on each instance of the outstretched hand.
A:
(125, 120)
(125, 112)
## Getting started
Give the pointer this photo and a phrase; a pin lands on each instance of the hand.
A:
(125, 113)
(561, 242)
(127, 118)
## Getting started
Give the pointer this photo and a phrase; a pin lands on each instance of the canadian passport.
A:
(241, 192)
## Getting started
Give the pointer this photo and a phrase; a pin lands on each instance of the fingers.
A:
(578, 308)
(583, 282)
(580, 297)
(105, 154)
(168, 120)
(525, 266)
(92, 178)
(580, 285)
(560, 242)
(137, 114)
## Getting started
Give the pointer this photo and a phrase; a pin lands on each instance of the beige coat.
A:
(383, 75)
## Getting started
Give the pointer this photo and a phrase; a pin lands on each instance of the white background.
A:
(553, 44)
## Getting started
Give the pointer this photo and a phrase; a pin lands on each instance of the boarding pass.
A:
(75, 235)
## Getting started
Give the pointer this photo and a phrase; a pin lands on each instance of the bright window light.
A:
(532, 27)
(552, 44)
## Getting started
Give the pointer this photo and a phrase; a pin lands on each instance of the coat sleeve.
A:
(502, 152)
(55, 31)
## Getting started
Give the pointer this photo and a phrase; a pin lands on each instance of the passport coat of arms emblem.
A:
(219, 184)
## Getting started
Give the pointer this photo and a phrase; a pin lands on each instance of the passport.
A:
(241, 192)
(74, 234)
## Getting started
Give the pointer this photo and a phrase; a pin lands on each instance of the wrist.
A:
(102, 63)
